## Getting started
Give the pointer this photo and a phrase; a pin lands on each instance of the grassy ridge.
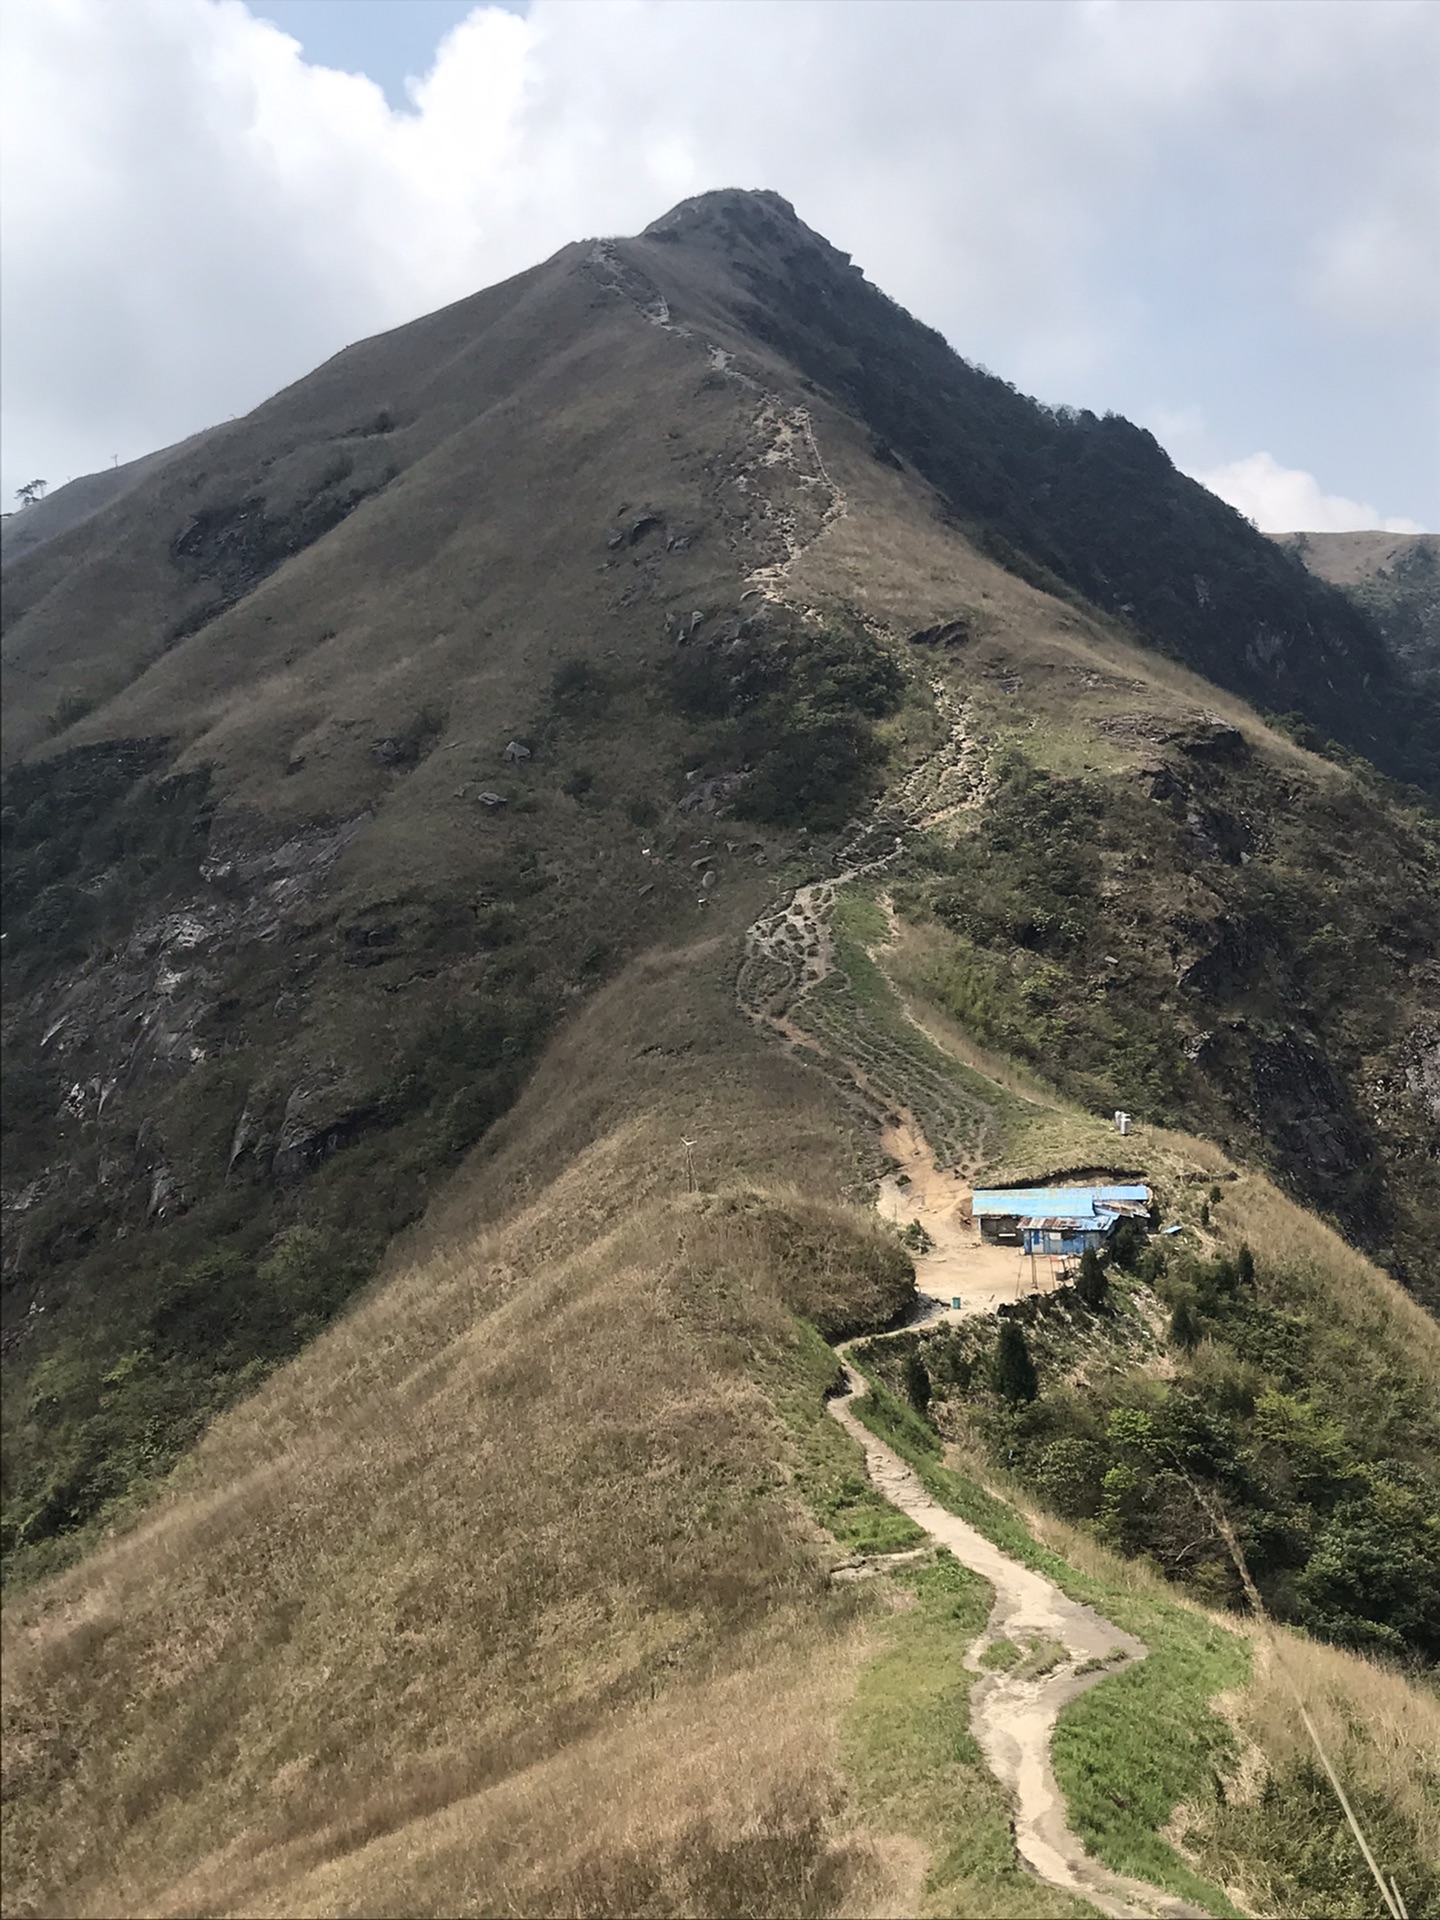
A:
(829, 1475)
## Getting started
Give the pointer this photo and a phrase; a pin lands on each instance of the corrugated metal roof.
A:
(1071, 1203)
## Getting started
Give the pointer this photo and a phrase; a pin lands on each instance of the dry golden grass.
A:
(1350, 1290)
(894, 558)
(475, 1606)
(723, 1794)
(1382, 1731)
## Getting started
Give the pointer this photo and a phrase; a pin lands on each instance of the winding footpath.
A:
(1013, 1714)
(788, 954)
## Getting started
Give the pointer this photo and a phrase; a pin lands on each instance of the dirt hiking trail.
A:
(1061, 1648)
(956, 1264)
(1013, 1713)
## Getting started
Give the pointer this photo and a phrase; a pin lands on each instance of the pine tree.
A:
(1245, 1266)
(1185, 1328)
(917, 1384)
(1127, 1243)
(1092, 1285)
(1015, 1376)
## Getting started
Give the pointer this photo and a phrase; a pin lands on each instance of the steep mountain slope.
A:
(285, 928)
(509, 1593)
(46, 519)
(1095, 502)
(1394, 578)
(393, 780)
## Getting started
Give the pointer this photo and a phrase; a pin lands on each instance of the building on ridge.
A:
(1057, 1220)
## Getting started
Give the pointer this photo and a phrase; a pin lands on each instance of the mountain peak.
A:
(723, 206)
(740, 221)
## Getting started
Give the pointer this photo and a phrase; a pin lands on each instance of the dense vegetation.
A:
(1096, 504)
(1301, 1433)
(157, 1338)
(93, 813)
(192, 1200)
(1211, 943)
(795, 704)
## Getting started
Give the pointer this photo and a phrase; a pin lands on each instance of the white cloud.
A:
(1287, 500)
(194, 216)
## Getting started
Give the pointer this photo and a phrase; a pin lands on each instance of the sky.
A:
(1218, 217)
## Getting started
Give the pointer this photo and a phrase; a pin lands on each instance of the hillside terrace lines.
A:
(786, 979)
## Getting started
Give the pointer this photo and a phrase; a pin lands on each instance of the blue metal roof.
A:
(1070, 1203)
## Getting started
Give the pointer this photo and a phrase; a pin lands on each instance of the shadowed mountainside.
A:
(1394, 578)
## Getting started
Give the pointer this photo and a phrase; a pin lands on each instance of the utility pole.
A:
(689, 1146)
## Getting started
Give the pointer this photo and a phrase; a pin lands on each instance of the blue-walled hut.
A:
(1056, 1220)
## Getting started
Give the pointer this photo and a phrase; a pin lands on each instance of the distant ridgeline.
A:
(1069, 499)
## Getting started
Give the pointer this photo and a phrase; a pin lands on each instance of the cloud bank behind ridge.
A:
(1125, 204)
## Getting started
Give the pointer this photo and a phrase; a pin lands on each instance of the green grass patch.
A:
(1001, 1655)
(855, 1010)
(1130, 1751)
(916, 1767)
(1042, 1657)
(857, 924)
(966, 1115)
(829, 1469)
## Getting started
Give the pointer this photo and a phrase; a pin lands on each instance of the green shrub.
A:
(797, 702)
(1185, 1329)
(917, 1384)
(1014, 1375)
(1090, 1282)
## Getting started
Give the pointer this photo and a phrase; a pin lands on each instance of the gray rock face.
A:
(710, 795)
(1422, 1070)
(115, 1033)
(321, 1115)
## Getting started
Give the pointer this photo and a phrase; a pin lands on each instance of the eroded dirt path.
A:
(1061, 1647)
(1013, 1713)
(789, 953)
(956, 1266)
